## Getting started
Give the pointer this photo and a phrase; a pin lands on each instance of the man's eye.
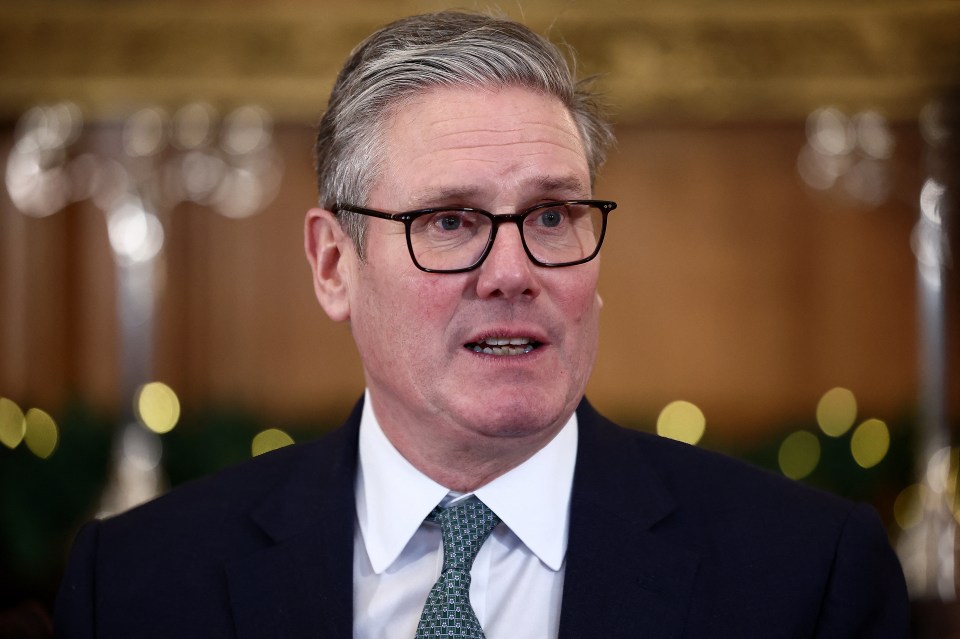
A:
(450, 222)
(551, 218)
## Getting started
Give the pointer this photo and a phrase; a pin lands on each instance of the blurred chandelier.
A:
(228, 165)
(848, 155)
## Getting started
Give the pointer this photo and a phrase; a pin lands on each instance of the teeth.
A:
(506, 341)
(504, 346)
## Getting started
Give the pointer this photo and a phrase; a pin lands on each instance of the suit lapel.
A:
(301, 583)
(623, 579)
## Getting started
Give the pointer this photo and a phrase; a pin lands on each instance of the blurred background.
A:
(778, 279)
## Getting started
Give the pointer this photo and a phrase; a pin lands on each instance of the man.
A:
(474, 492)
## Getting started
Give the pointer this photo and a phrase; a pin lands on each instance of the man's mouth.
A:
(503, 345)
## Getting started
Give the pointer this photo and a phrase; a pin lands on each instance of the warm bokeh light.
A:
(908, 507)
(270, 439)
(874, 137)
(146, 132)
(194, 125)
(849, 154)
(247, 129)
(829, 131)
(799, 454)
(941, 472)
(158, 407)
(870, 443)
(42, 434)
(836, 411)
(682, 421)
(12, 423)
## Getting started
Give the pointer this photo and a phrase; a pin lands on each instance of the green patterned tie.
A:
(447, 613)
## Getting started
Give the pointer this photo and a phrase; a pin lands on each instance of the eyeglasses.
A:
(455, 240)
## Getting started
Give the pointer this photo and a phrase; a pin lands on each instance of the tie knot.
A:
(464, 527)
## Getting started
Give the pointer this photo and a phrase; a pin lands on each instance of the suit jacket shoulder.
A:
(262, 549)
(707, 545)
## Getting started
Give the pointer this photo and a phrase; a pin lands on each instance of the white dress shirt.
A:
(517, 577)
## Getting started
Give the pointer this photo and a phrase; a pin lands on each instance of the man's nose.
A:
(508, 272)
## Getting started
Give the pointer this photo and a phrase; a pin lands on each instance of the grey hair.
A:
(444, 49)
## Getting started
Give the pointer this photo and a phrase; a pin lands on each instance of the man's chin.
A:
(517, 419)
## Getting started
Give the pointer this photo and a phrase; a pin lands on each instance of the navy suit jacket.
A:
(666, 540)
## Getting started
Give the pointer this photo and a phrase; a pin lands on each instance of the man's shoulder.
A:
(729, 537)
(234, 487)
(223, 503)
(717, 483)
(165, 560)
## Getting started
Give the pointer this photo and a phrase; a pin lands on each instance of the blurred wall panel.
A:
(732, 285)
(727, 283)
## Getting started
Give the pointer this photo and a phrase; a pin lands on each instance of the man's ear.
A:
(332, 260)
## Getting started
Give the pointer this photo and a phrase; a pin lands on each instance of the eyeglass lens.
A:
(555, 234)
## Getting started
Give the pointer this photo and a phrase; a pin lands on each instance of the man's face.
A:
(502, 151)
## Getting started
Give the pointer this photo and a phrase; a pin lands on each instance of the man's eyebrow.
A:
(445, 195)
(567, 184)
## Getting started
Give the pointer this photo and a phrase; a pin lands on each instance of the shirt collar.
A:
(533, 499)
(393, 497)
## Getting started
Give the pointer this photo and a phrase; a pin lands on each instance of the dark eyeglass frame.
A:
(407, 218)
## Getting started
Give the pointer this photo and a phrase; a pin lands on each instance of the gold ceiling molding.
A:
(690, 60)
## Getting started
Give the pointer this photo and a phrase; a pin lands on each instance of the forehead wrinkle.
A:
(528, 147)
(473, 144)
(521, 133)
(516, 123)
(541, 183)
(466, 145)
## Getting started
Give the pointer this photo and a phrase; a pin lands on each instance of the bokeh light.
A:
(942, 470)
(42, 434)
(932, 201)
(799, 454)
(13, 426)
(141, 449)
(201, 172)
(158, 407)
(908, 506)
(870, 443)
(146, 132)
(681, 421)
(247, 129)
(136, 234)
(830, 131)
(193, 125)
(874, 137)
(836, 411)
(850, 155)
(37, 178)
(270, 439)
(932, 124)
